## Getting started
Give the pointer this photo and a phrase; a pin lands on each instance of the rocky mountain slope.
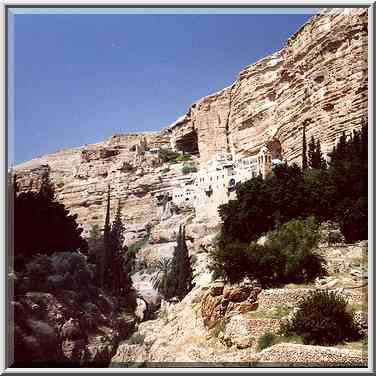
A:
(219, 325)
(319, 79)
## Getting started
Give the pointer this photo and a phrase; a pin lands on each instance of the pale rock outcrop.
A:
(224, 300)
(318, 79)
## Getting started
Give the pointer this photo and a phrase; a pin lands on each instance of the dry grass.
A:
(358, 345)
(276, 312)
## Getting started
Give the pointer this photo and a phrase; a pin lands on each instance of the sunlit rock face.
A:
(318, 79)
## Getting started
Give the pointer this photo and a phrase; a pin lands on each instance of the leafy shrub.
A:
(183, 158)
(136, 339)
(286, 257)
(323, 318)
(61, 270)
(219, 328)
(266, 340)
(168, 155)
(135, 247)
(43, 225)
(188, 169)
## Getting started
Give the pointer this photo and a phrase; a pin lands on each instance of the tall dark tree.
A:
(43, 225)
(106, 242)
(311, 152)
(180, 279)
(315, 157)
(320, 159)
(120, 280)
(47, 189)
(304, 150)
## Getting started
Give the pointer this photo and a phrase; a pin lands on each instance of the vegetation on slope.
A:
(337, 192)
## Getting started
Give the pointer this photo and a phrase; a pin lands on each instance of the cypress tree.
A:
(47, 189)
(304, 151)
(321, 163)
(114, 268)
(185, 269)
(315, 158)
(180, 280)
(311, 153)
(106, 242)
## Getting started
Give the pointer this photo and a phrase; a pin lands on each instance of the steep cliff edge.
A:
(318, 79)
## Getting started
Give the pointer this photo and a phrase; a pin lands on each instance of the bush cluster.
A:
(188, 169)
(168, 155)
(323, 318)
(337, 193)
(41, 224)
(56, 272)
(287, 256)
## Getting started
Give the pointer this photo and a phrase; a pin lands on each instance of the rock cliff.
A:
(319, 78)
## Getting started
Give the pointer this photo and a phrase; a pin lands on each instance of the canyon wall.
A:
(319, 78)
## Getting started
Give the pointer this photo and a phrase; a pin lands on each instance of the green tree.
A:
(43, 225)
(119, 281)
(349, 172)
(106, 250)
(296, 241)
(311, 153)
(315, 158)
(47, 189)
(287, 256)
(161, 279)
(180, 278)
(323, 318)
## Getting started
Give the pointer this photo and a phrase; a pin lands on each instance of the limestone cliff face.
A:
(81, 177)
(319, 78)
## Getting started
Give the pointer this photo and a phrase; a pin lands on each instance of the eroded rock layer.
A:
(319, 78)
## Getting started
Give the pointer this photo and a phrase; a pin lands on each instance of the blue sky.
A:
(78, 78)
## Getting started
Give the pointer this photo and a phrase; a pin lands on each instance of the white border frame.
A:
(210, 3)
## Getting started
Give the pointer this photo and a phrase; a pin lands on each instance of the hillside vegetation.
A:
(290, 194)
